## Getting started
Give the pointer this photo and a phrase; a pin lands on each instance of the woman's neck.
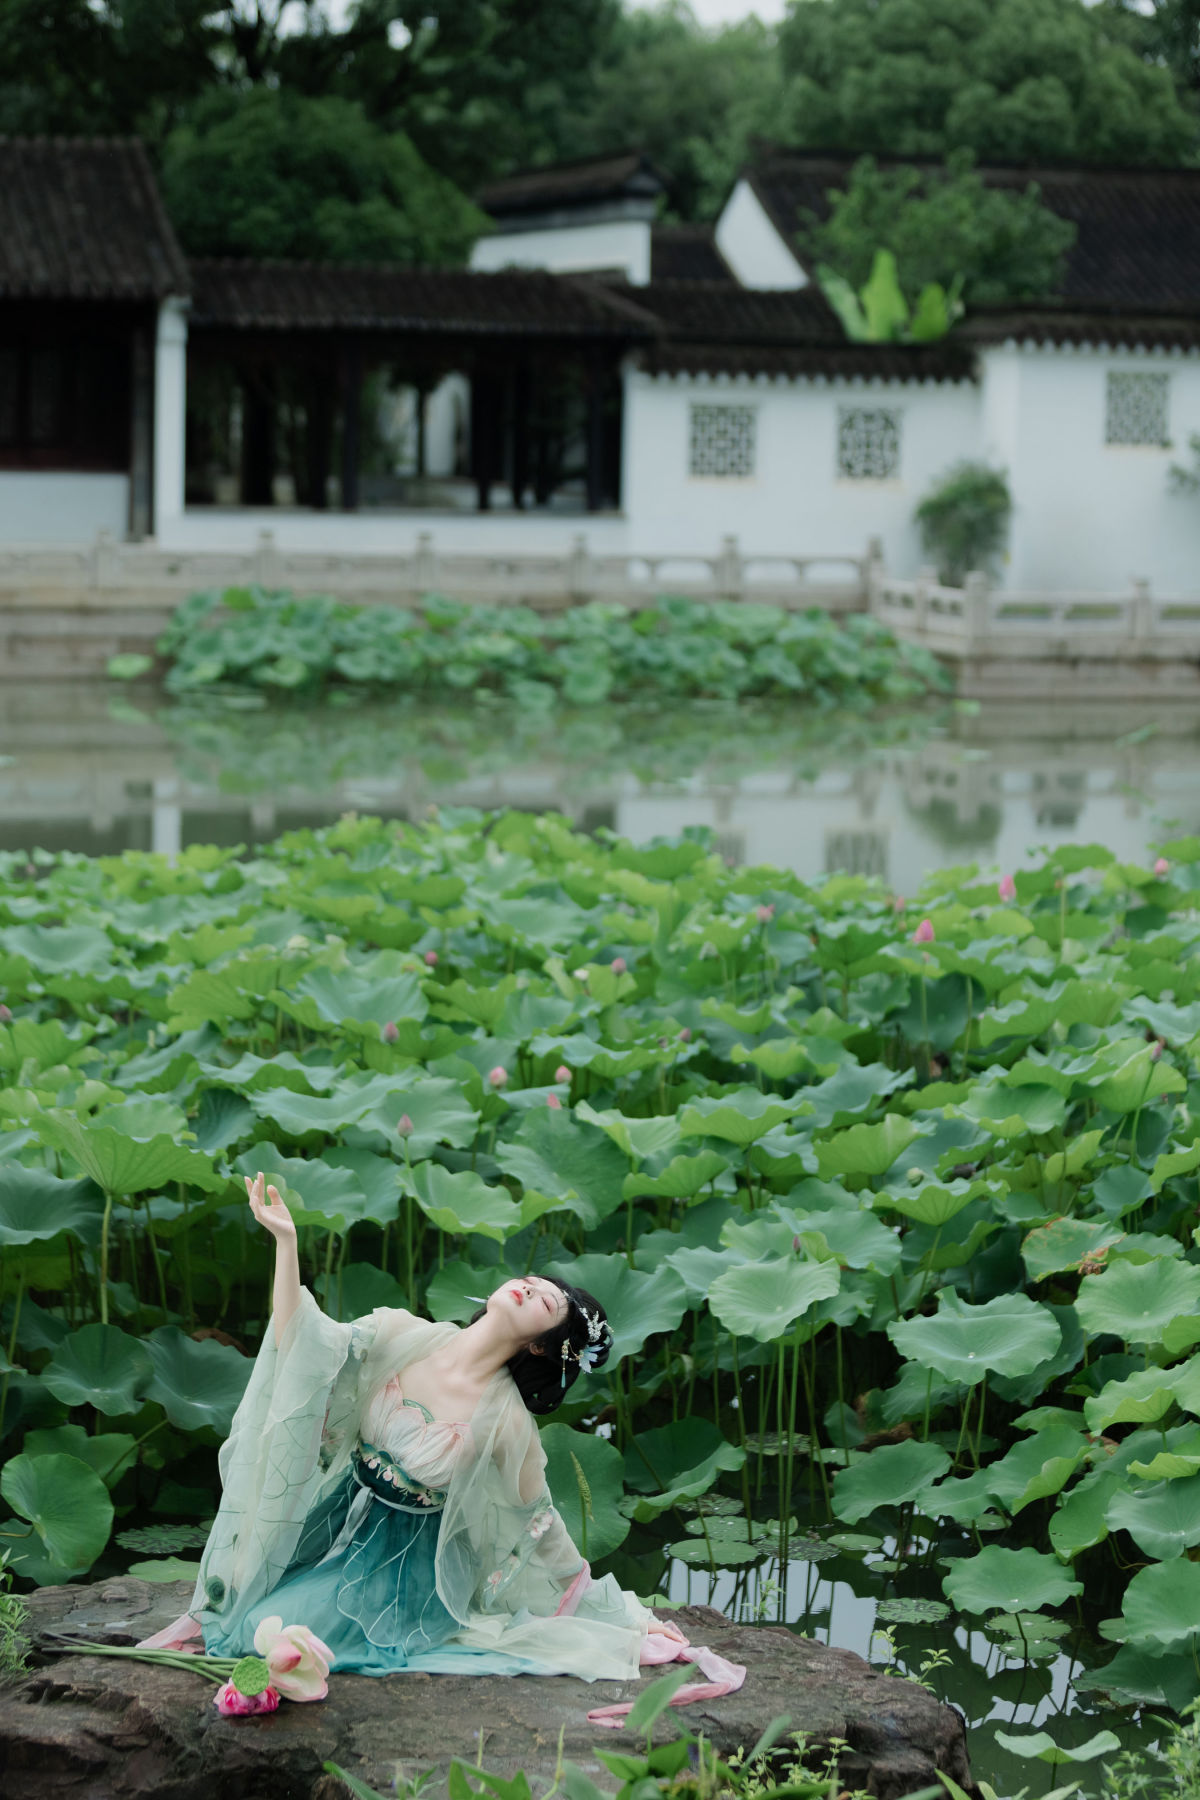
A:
(480, 1350)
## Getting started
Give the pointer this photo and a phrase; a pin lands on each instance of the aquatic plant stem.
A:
(104, 1227)
(12, 1336)
(157, 1260)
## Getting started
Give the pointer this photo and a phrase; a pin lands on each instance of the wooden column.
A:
(319, 432)
(141, 433)
(594, 479)
(487, 414)
(522, 401)
(422, 399)
(258, 436)
(351, 405)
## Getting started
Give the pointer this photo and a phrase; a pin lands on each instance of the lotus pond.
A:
(891, 1204)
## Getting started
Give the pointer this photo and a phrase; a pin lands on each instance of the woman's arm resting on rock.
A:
(270, 1211)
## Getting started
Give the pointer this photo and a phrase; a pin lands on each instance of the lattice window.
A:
(722, 440)
(868, 443)
(1136, 412)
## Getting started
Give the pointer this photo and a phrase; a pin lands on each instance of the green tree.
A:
(1013, 80)
(269, 172)
(693, 98)
(941, 224)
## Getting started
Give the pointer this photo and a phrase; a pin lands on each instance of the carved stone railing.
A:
(144, 574)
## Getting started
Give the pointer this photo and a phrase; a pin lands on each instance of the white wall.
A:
(752, 247)
(1086, 514)
(61, 506)
(606, 244)
(795, 501)
(170, 410)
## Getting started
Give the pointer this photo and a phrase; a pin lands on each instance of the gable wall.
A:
(565, 249)
(750, 244)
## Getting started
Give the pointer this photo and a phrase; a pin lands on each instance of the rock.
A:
(99, 1728)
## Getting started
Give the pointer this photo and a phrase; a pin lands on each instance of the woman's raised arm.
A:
(270, 1211)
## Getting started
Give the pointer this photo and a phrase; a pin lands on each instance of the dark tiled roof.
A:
(80, 219)
(1053, 325)
(1137, 244)
(717, 327)
(686, 253)
(277, 296)
(587, 181)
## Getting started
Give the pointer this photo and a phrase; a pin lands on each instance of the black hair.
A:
(547, 1366)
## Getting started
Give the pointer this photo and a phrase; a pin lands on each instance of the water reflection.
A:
(891, 796)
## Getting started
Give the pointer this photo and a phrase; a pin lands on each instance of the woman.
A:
(384, 1485)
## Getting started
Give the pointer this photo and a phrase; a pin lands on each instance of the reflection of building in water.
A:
(857, 852)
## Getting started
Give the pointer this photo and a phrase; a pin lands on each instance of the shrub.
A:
(964, 520)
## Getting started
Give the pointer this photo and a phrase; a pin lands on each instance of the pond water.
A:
(98, 769)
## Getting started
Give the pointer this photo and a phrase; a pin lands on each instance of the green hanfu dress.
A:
(402, 1541)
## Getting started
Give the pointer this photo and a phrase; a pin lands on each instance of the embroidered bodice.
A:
(404, 1454)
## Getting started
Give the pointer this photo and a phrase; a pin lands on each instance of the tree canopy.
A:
(940, 224)
(1020, 81)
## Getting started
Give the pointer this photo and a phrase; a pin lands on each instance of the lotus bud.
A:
(899, 903)
(924, 933)
(914, 1177)
(619, 965)
(1157, 1051)
(685, 1036)
(581, 974)
(431, 957)
(562, 1073)
(764, 914)
(390, 1032)
(405, 1128)
(553, 1102)
(232, 1704)
(498, 1076)
(5, 1015)
(298, 941)
(1008, 888)
(797, 1246)
(1161, 867)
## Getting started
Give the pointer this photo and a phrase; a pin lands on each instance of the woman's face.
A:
(529, 1304)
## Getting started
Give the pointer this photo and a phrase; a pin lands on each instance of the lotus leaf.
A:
(965, 1500)
(574, 1166)
(1136, 1302)
(1163, 1520)
(438, 1112)
(360, 1287)
(764, 1300)
(741, 1117)
(637, 1138)
(164, 1538)
(889, 1476)
(1010, 1112)
(100, 1366)
(866, 1150)
(1009, 1335)
(720, 1553)
(1140, 1399)
(198, 1384)
(126, 1165)
(314, 1190)
(1041, 1745)
(165, 1568)
(682, 1179)
(856, 1237)
(637, 1305)
(933, 1203)
(461, 1203)
(585, 1474)
(676, 1462)
(1063, 1244)
(905, 1611)
(1161, 1608)
(1135, 1674)
(35, 1206)
(1011, 1580)
(1135, 1078)
(1036, 1467)
(69, 1508)
(109, 1453)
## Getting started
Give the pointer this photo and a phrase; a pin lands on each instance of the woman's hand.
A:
(662, 1628)
(275, 1216)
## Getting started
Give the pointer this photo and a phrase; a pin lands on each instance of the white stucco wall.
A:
(795, 502)
(751, 245)
(53, 507)
(604, 244)
(1087, 514)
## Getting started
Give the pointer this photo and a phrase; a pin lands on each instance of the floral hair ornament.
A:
(595, 1351)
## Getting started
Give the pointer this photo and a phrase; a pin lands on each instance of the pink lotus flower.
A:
(685, 1036)
(899, 903)
(431, 957)
(297, 1661)
(1008, 888)
(5, 1015)
(1157, 1051)
(1161, 867)
(553, 1102)
(619, 965)
(390, 1033)
(405, 1127)
(764, 914)
(562, 1073)
(498, 1076)
(924, 932)
(232, 1704)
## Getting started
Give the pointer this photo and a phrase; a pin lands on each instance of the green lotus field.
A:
(892, 1205)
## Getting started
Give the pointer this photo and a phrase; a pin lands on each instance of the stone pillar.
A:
(170, 413)
(166, 818)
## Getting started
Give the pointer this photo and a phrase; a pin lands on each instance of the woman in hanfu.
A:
(384, 1485)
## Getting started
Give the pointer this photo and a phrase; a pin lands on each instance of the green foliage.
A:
(14, 1620)
(269, 172)
(1167, 1770)
(678, 649)
(880, 313)
(950, 232)
(1018, 81)
(964, 520)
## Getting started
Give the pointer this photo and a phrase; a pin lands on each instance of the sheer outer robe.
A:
(506, 1568)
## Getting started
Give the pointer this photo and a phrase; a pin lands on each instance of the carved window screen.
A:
(868, 443)
(1136, 409)
(721, 440)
